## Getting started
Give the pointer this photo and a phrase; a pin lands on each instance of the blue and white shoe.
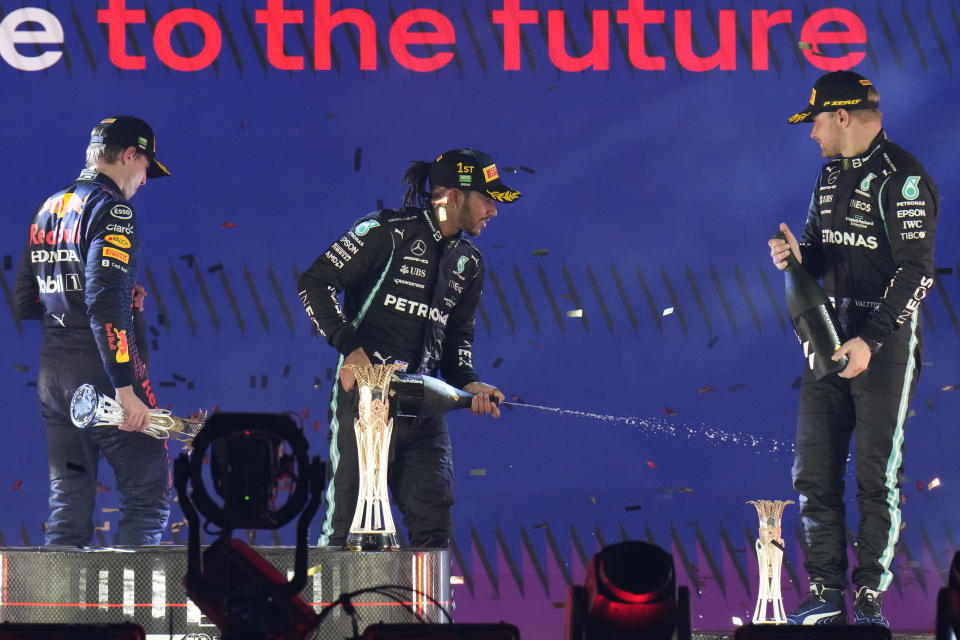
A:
(823, 606)
(866, 608)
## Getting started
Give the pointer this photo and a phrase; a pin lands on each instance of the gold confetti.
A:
(667, 311)
(456, 579)
(110, 510)
(593, 500)
(105, 527)
(478, 472)
(314, 570)
(706, 389)
(933, 484)
(575, 313)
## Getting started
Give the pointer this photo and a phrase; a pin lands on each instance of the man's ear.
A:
(129, 154)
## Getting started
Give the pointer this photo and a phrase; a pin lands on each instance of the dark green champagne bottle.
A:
(416, 395)
(814, 318)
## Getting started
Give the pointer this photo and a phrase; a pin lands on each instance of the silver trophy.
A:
(90, 408)
(372, 528)
(770, 558)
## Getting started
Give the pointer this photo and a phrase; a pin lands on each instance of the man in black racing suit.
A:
(411, 285)
(78, 275)
(870, 236)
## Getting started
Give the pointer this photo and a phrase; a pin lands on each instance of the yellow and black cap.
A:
(130, 131)
(833, 91)
(471, 170)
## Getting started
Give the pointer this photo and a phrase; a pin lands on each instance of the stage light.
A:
(812, 632)
(242, 593)
(458, 631)
(629, 592)
(120, 631)
(948, 604)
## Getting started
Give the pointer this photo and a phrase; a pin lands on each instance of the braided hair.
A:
(415, 177)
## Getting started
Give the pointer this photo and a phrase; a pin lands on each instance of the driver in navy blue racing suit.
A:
(411, 284)
(78, 275)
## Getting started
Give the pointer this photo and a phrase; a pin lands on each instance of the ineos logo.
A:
(419, 248)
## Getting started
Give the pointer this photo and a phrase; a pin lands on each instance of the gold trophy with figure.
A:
(770, 559)
(372, 528)
(90, 408)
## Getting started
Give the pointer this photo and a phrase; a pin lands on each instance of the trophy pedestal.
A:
(372, 541)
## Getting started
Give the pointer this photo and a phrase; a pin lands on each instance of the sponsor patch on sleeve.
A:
(121, 212)
(120, 241)
(116, 254)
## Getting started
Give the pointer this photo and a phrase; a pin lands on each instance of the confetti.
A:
(919, 485)
(216, 267)
(190, 384)
(329, 373)
(950, 387)
(105, 527)
(558, 605)
(633, 507)
(538, 346)
(517, 398)
(189, 258)
(167, 383)
(508, 169)
(228, 225)
(456, 580)
(110, 510)
(286, 370)
(593, 500)
(253, 381)
(929, 403)
(651, 465)
(154, 331)
(806, 46)
(666, 312)
(684, 490)
(305, 413)
(357, 158)
(17, 485)
(7, 263)
(542, 525)
(540, 252)
(665, 491)
(706, 389)
(263, 381)
(21, 367)
(178, 377)
(316, 425)
(527, 169)
(933, 484)
(496, 363)
(478, 472)
(575, 313)
(154, 345)
(737, 622)
(317, 383)
(712, 342)
(669, 411)
(911, 413)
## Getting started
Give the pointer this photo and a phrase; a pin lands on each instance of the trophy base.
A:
(372, 541)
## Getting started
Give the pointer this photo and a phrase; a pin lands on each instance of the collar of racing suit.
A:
(875, 145)
(92, 175)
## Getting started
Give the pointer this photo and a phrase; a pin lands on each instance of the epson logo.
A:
(849, 239)
(911, 213)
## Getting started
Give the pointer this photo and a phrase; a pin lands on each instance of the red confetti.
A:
(17, 485)
(316, 425)
(919, 485)
(669, 412)
(306, 413)
(228, 225)
(651, 465)
(706, 389)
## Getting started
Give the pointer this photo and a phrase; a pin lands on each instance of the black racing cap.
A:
(471, 170)
(833, 91)
(130, 131)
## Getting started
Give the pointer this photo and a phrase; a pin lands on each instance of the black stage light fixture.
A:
(457, 631)
(233, 585)
(629, 591)
(118, 631)
(812, 632)
(948, 604)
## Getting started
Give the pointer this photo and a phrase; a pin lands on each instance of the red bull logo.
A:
(64, 204)
(53, 236)
(123, 353)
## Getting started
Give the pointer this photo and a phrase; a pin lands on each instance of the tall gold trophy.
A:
(770, 559)
(372, 528)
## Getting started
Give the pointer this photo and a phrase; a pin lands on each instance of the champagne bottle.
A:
(415, 395)
(814, 318)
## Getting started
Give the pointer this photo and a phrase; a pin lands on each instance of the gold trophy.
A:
(90, 408)
(770, 559)
(372, 528)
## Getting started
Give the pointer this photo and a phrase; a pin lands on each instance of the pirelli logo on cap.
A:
(116, 254)
(866, 83)
(813, 96)
(490, 173)
(108, 121)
